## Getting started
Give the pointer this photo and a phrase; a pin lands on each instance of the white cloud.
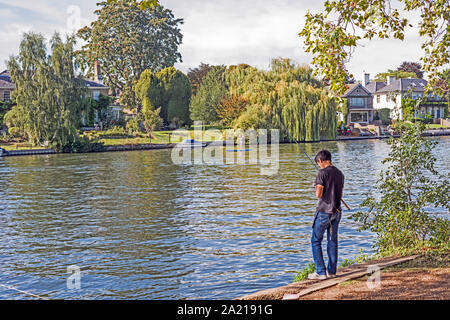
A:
(43, 16)
(230, 32)
(216, 32)
(43, 8)
(9, 36)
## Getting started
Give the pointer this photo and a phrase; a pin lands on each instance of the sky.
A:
(214, 31)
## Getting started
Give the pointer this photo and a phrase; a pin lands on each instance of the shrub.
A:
(230, 108)
(132, 126)
(15, 132)
(80, 145)
(114, 132)
(383, 115)
(359, 258)
(302, 275)
(426, 120)
(410, 185)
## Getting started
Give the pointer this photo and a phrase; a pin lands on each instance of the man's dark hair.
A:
(323, 155)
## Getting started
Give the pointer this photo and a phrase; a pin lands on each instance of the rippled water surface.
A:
(140, 227)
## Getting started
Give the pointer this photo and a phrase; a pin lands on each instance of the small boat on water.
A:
(191, 143)
(239, 150)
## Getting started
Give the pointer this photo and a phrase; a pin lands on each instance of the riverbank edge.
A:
(418, 266)
(141, 147)
(296, 290)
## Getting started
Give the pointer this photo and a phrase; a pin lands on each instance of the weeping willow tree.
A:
(49, 96)
(287, 93)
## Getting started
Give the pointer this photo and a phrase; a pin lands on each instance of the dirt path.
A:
(407, 284)
(427, 277)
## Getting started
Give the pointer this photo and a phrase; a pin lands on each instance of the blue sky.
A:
(215, 31)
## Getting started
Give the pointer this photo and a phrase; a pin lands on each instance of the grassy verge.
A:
(311, 267)
(431, 259)
(12, 147)
(159, 137)
(434, 259)
(435, 126)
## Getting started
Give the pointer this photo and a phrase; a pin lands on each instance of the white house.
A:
(389, 95)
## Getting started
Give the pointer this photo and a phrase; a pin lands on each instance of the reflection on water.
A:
(141, 227)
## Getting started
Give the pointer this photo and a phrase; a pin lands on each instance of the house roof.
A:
(403, 85)
(375, 86)
(93, 84)
(356, 89)
(5, 81)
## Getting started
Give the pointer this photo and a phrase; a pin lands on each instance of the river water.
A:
(140, 227)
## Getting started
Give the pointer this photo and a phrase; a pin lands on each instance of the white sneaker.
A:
(331, 275)
(315, 276)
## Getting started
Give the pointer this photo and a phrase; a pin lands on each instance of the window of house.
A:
(378, 98)
(357, 102)
(358, 117)
(96, 94)
(7, 96)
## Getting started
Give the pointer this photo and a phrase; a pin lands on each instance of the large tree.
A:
(49, 96)
(230, 108)
(443, 85)
(126, 40)
(395, 73)
(444, 82)
(196, 76)
(143, 4)
(209, 95)
(287, 93)
(414, 67)
(168, 89)
(332, 36)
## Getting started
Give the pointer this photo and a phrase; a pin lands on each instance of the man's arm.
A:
(319, 190)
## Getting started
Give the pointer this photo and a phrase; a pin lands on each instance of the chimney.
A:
(366, 79)
(391, 80)
(97, 74)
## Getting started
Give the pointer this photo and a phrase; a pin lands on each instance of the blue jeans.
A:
(322, 222)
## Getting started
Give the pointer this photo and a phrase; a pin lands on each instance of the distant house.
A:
(96, 89)
(390, 95)
(359, 102)
(6, 86)
(95, 86)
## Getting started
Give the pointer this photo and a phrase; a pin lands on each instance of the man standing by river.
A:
(329, 185)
